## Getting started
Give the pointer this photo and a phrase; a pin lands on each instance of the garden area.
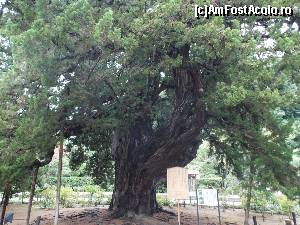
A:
(100, 215)
(82, 200)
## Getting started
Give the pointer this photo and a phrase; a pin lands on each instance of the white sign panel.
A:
(210, 197)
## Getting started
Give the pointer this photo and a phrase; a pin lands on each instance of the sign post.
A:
(177, 186)
(219, 207)
(197, 202)
(178, 212)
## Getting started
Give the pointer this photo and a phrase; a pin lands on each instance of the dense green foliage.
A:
(76, 180)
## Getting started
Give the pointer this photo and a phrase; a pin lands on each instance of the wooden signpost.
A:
(177, 186)
(178, 212)
(197, 201)
(219, 213)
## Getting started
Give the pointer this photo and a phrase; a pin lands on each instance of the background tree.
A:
(22, 111)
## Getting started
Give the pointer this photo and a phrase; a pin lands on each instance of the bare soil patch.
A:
(101, 216)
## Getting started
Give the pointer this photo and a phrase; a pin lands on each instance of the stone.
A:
(287, 222)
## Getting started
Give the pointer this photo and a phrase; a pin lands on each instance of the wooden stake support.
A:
(219, 213)
(254, 220)
(178, 212)
(294, 218)
(197, 202)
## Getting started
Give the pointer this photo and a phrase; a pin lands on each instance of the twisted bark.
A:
(143, 155)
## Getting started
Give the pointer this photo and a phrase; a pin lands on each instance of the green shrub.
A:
(224, 204)
(259, 201)
(47, 198)
(105, 200)
(161, 188)
(83, 202)
(162, 201)
(297, 209)
(273, 204)
(100, 198)
(92, 190)
(262, 201)
(286, 205)
(67, 197)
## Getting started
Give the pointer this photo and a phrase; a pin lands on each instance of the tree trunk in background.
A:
(22, 197)
(59, 173)
(32, 190)
(7, 192)
(2, 199)
(249, 196)
(142, 155)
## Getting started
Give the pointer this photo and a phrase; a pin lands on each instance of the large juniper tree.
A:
(144, 82)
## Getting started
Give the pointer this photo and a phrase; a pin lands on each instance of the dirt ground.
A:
(100, 216)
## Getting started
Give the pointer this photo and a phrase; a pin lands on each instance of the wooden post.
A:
(32, 190)
(294, 218)
(197, 202)
(22, 197)
(219, 213)
(59, 172)
(254, 220)
(178, 212)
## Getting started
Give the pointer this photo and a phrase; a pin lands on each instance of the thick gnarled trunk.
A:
(134, 193)
(143, 155)
(134, 189)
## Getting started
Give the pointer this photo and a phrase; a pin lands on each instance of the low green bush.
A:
(163, 201)
(105, 200)
(47, 198)
(67, 197)
(286, 205)
(83, 202)
(260, 201)
(161, 188)
(224, 204)
(93, 190)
